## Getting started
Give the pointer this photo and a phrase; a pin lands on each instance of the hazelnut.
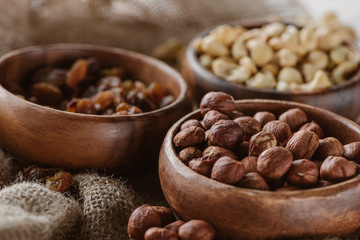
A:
(174, 226)
(196, 230)
(352, 151)
(213, 153)
(295, 117)
(249, 125)
(264, 117)
(226, 133)
(253, 180)
(250, 163)
(336, 169)
(302, 173)
(235, 114)
(329, 146)
(228, 170)
(314, 127)
(165, 213)
(189, 137)
(260, 142)
(275, 183)
(189, 153)
(190, 123)
(243, 150)
(318, 163)
(280, 130)
(211, 117)
(274, 162)
(200, 166)
(303, 144)
(156, 233)
(218, 101)
(141, 219)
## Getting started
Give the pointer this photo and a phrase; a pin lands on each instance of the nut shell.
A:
(303, 144)
(280, 130)
(196, 230)
(274, 162)
(295, 117)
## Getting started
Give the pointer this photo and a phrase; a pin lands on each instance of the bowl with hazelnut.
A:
(316, 64)
(297, 175)
(76, 106)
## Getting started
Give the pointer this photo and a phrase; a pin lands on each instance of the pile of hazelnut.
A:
(263, 152)
(279, 56)
(158, 223)
(89, 88)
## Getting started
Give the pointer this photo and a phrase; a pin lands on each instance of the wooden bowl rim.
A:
(89, 47)
(186, 172)
(210, 77)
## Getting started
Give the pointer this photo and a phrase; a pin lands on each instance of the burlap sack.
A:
(30, 211)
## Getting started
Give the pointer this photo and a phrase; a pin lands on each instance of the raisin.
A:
(60, 182)
(77, 73)
(46, 93)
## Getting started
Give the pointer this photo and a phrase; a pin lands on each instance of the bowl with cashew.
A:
(263, 169)
(317, 63)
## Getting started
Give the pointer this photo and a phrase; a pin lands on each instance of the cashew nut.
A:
(248, 63)
(320, 81)
(239, 75)
(342, 70)
(227, 34)
(223, 67)
(286, 57)
(318, 58)
(260, 52)
(206, 60)
(260, 80)
(214, 47)
(251, 34)
(286, 86)
(340, 54)
(197, 43)
(307, 39)
(273, 29)
(290, 74)
(308, 70)
(238, 49)
(271, 67)
(326, 39)
(276, 43)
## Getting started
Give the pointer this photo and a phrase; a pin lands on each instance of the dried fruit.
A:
(60, 182)
(76, 73)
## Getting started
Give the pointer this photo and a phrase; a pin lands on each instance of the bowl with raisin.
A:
(75, 105)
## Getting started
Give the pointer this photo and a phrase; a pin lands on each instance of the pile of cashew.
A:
(279, 56)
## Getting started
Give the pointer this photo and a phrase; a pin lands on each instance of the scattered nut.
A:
(303, 144)
(335, 169)
(295, 117)
(329, 146)
(190, 136)
(274, 162)
(302, 173)
(196, 230)
(253, 180)
(228, 170)
(281, 130)
(260, 142)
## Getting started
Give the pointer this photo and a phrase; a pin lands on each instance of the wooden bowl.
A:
(58, 138)
(239, 213)
(343, 99)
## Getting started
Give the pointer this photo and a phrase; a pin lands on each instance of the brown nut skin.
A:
(200, 166)
(303, 144)
(318, 163)
(235, 114)
(329, 146)
(166, 215)
(275, 184)
(295, 117)
(190, 123)
(253, 180)
(196, 230)
(260, 142)
(156, 233)
(352, 151)
(174, 226)
(249, 125)
(264, 117)
(228, 170)
(213, 153)
(280, 130)
(189, 153)
(250, 163)
(211, 117)
(242, 150)
(337, 169)
(218, 101)
(302, 173)
(226, 133)
(314, 127)
(274, 162)
(141, 219)
(190, 136)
